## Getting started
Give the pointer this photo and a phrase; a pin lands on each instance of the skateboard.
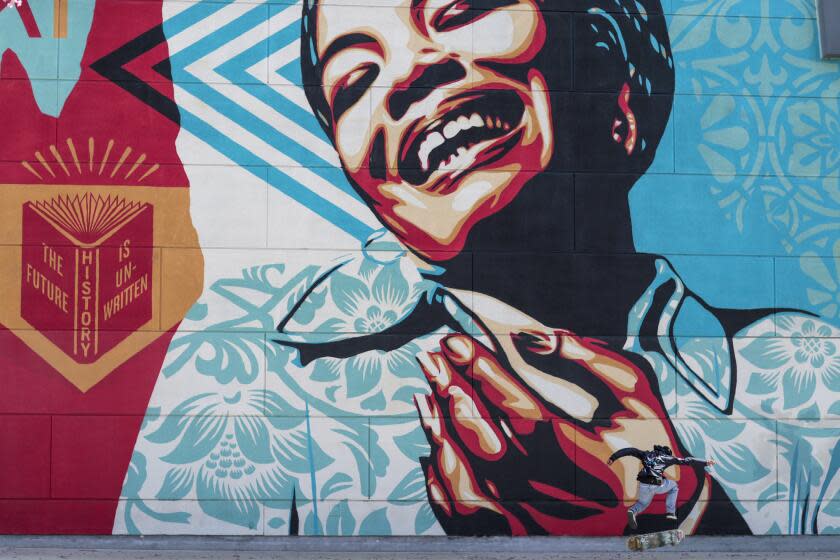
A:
(655, 540)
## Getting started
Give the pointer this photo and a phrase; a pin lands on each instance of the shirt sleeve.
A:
(627, 451)
(689, 461)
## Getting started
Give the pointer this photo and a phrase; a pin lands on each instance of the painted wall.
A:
(392, 268)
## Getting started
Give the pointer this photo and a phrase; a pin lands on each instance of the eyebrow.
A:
(345, 42)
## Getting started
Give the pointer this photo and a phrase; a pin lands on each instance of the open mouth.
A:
(475, 132)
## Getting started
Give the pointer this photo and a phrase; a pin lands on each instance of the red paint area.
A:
(553, 478)
(65, 453)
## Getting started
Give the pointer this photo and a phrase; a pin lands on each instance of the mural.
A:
(333, 267)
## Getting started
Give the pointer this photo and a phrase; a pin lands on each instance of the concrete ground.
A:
(429, 548)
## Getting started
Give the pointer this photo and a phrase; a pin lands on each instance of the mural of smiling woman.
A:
(442, 112)
(474, 366)
(456, 255)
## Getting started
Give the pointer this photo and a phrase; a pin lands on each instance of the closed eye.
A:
(460, 13)
(351, 87)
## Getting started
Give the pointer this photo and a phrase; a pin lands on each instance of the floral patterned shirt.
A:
(243, 429)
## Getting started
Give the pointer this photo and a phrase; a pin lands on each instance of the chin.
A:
(464, 162)
(438, 226)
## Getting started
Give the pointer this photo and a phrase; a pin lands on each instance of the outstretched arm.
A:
(691, 461)
(627, 451)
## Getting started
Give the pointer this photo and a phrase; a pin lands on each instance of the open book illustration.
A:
(86, 271)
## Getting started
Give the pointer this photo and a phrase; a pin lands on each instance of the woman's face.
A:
(438, 115)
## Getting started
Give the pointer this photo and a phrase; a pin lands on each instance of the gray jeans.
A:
(648, 491)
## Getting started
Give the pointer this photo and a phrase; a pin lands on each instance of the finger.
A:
(449, 388)
(467, 518)
(494, 384)
(476, 433)
(536, 342)
(455, 473)
(440, 501)
(450, 465)
(441, 373)
(430, 419)
(617, 371)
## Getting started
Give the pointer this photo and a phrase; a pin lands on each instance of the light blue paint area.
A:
(47, 96)
(728, 281)
(45, 58)
(664, 160)
(740, 54)
(678, 214)
(810, 282)
(234, 70)
(756, 150)
(376, 524)
(711, 135)
(71, 49)
(291, 72)
(747, 8)
(695, 320)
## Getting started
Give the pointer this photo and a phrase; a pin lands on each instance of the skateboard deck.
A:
(655, 540)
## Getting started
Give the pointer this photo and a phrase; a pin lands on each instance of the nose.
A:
(420, 82)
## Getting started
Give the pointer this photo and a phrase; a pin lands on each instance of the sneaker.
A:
(671, 516)
(631, 519)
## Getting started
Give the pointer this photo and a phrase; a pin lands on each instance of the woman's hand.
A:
(522, 450)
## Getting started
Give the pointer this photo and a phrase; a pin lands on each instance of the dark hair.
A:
(662, 449)
(631, 34)
(310, 66)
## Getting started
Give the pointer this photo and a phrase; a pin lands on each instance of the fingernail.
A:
(460, 346)
(428, 366)
(434, 365)
(537, 342)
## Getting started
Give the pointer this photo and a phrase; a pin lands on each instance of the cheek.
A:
(509, 35)
(352, 135)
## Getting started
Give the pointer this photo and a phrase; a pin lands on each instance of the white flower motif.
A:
(369, 303)
(800, 357)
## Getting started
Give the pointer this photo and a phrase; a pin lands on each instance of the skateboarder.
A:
(651, 479)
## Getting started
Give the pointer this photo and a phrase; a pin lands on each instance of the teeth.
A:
(451, 129)
(457, 160)
(432, 141)
(436, 137)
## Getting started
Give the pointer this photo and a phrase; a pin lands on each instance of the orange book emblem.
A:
(86, 271)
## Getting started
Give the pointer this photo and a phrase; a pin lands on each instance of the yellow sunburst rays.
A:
(91, 153)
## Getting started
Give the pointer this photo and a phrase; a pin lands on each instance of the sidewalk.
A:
(432, 548)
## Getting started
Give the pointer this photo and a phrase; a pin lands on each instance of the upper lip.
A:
(459, 122)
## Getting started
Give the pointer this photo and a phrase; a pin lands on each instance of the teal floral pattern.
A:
(763, 404)
(796, 368)
(239, 429)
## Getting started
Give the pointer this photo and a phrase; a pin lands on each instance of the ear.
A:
(624, 129)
